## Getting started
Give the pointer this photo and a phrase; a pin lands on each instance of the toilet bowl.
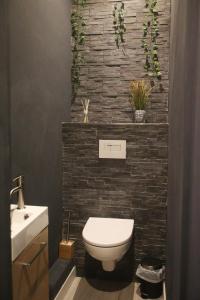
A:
(107, 239)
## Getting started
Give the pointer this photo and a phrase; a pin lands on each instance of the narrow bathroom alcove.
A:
(132, 188)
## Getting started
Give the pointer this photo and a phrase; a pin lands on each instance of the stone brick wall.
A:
(107, 72)
(132, 188)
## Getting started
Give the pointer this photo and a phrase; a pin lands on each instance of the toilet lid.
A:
(107, 232)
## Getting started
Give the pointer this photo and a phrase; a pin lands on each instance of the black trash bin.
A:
(151, 274)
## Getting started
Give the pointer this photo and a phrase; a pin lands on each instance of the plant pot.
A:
(140, 116)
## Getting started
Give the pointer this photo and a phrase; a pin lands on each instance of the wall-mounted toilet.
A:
(108, 239)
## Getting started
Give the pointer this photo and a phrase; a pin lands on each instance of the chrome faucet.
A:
(19, 189)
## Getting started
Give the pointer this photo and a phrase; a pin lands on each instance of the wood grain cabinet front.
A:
(30, 270)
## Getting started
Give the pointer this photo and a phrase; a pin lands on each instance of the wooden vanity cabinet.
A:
(30, 270)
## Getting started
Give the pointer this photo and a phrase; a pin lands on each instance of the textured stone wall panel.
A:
(132, 188)
(107, 72)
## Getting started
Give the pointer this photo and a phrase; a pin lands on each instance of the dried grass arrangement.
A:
(140, 91)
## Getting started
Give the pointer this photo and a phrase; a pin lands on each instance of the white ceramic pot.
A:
(140, 116)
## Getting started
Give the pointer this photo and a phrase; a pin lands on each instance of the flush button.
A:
(113, 149)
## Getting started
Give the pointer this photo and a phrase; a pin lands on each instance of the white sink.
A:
(26, 224)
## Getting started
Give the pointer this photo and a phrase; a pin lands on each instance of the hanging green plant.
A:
(78, 37)
(118, 24)
(149, 40)
(80, 2)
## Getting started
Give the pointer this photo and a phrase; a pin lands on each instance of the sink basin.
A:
(26, 224)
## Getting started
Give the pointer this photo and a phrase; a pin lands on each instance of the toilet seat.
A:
(107, 232)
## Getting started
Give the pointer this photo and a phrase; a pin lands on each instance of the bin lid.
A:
(151, 263)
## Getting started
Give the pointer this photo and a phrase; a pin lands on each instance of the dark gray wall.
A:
(40, 58)
(107, 72)
(132, 188)
(184, 151)
(5, 258)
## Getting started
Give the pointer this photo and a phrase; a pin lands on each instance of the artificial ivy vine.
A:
(149, 40)
(80, 2)
(78, 35)
(118, 23)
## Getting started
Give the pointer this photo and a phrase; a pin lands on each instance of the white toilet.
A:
(107, 239)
